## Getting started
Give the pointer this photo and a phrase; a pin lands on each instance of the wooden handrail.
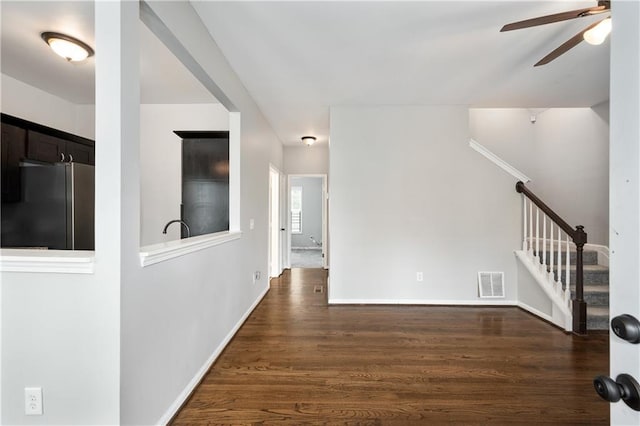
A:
(579, 238)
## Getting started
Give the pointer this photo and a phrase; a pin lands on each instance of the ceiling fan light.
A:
(598, 34)
(71, 49)
(308, 140)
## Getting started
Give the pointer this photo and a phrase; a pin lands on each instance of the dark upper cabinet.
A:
(41, 143)
(80, 153)
(14, 143)
(51, 149)
(45, 148)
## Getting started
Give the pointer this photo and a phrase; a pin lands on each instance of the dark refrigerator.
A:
(55, 210)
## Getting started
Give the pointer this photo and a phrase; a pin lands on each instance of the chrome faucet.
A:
(182, 222)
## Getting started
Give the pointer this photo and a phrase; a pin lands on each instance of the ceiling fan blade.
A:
(557, 17)
(564, 47)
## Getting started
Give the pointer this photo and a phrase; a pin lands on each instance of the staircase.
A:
(596, 287)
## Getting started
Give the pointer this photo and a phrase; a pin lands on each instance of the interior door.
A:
(624, 181)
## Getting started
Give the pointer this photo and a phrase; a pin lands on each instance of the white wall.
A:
(531, 294)
(123, 345)
(311, 211)
(193, 302)
(310, 160)
(60, 331)
(30, 103)
(161, 162)
(565, 153)
(407, 195)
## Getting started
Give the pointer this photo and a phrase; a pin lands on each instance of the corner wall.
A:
(407, 195)
(565, 153)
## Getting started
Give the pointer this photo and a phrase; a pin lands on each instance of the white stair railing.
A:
(550, 250)
(547, 245)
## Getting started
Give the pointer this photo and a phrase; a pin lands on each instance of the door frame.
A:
(325, 218)
(624, 194)
(275, 266)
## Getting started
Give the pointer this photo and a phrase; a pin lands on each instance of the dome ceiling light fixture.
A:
(308, 140)
(72, 49)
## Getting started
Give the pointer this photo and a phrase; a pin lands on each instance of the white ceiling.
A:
(26, 57)
(299, 58)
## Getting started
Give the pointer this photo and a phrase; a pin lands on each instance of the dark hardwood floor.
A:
(298, 361)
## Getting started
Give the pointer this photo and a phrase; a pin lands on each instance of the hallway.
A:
(298, 361)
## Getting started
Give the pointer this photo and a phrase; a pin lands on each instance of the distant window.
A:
(296, 209)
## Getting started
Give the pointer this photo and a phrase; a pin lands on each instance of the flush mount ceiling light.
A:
(309, 140)
(70, 48)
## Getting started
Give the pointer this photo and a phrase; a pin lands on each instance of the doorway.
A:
(307, 220)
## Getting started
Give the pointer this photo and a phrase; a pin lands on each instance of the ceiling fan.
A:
(593, 34)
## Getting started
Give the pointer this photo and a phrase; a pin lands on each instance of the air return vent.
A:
(491, 284)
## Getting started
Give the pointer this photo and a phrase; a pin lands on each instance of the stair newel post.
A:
(579, 305)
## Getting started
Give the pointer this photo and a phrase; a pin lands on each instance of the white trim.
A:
(234, 171)
(422, 302)
(538, 313)
(191, 386)
(274, 224)
(499, 161)
(49, 261)
(157, 253)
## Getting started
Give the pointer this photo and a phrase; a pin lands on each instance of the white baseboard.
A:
(490, 302)
(177, 404)
(536, 312)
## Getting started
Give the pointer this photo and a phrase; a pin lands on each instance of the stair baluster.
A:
(524, 224)
(579, 237)
(538, 233)
(559, 275)
(544, 240)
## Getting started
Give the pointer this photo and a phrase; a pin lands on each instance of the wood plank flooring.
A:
(298, 361)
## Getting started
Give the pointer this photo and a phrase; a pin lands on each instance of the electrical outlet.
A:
(419, 277)
(33, 401)
(256, 276)
(252, 224)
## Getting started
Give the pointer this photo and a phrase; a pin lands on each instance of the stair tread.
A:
(589, 257)
(600, 311)
(594, 288)
(586, 268)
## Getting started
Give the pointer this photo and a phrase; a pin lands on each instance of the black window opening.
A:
(205, 182)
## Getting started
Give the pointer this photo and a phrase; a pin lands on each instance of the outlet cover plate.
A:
(33, 401)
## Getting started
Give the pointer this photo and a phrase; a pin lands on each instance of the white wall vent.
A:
(491, 284)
